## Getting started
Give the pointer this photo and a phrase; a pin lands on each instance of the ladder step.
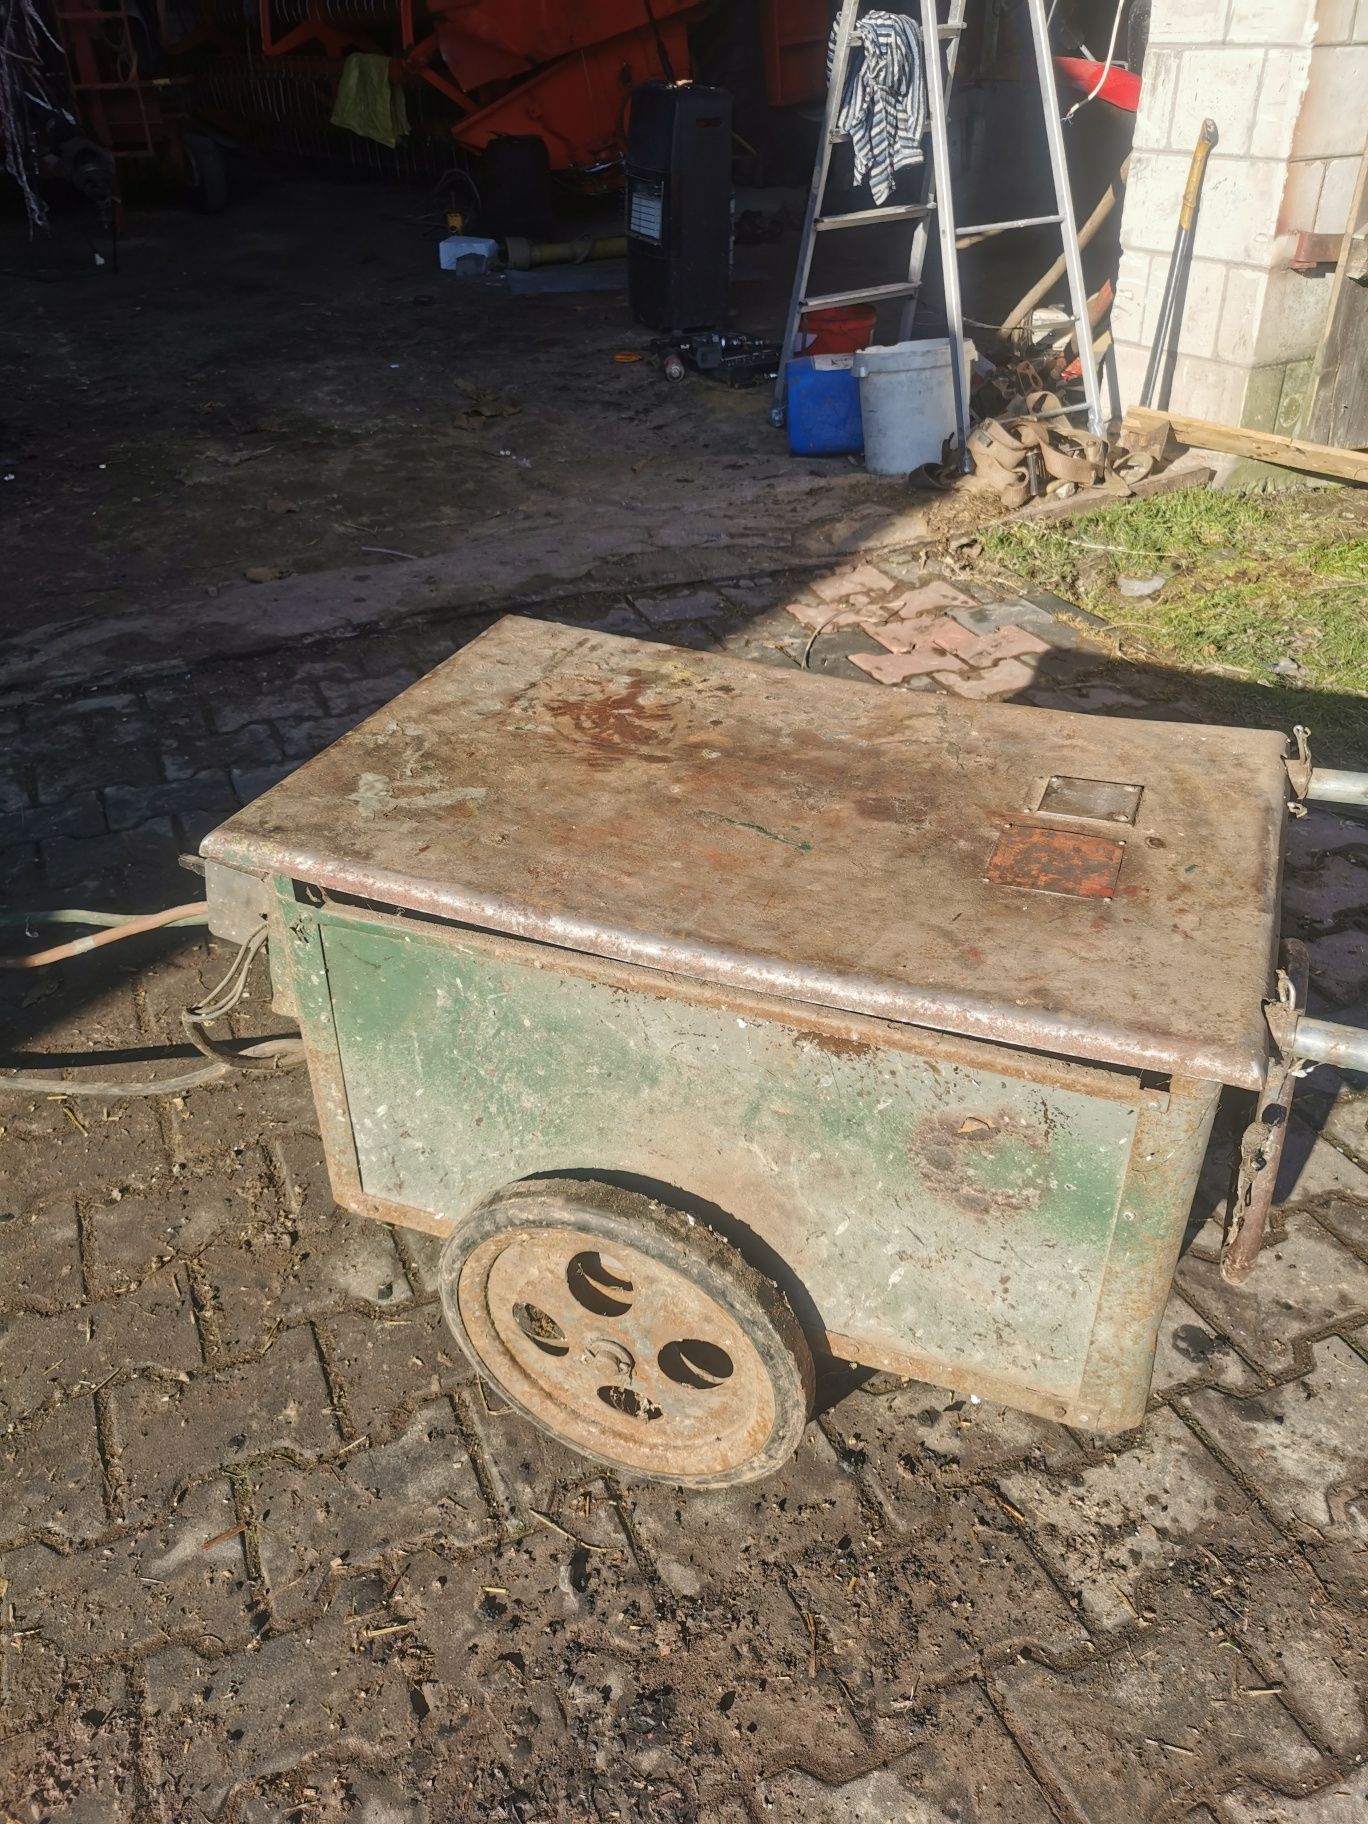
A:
(1025, 221)
(862, 218)
(868, 294)
(949, 31)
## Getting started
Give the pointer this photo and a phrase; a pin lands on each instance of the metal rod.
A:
(1332, 785)
(951, 33)
(1165, 349)
(1023, 221)
(821, 167)
(1073, 257)
(945, 218)
(1329, 1042)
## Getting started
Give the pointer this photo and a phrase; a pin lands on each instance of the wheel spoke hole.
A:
(598, 1283)
(629, 1402)
(541, 1328)
(694, 1363)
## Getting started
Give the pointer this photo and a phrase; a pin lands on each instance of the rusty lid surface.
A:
(1100, 888)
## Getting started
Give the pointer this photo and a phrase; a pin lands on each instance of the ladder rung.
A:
(949, 31)
(1026, 221)
(862, 218)
(868, 294)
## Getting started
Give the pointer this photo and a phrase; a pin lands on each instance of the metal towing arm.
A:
(1298, 1042)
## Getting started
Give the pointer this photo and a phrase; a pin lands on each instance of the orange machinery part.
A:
(500, 40)
(794, 40)
(562, 70)
(578, 104)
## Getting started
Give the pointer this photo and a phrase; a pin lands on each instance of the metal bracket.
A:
(1324, 784)
(1261, 1145)
(1299, 770)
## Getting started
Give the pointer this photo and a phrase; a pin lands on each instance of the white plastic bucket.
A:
(907, 401)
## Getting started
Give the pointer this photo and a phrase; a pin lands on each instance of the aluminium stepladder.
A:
(940, 51)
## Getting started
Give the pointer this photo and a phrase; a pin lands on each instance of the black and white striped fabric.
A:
(884, 105)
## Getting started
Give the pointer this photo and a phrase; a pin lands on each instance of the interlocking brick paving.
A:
(268, 1553)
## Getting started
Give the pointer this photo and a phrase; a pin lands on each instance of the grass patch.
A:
(1255, 584)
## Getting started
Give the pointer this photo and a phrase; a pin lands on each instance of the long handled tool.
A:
(1165, 349)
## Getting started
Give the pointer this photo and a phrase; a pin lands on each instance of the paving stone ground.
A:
(268, 1553)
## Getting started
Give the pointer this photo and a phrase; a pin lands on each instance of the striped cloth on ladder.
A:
(884, 105)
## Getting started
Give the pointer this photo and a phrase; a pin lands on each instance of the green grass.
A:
(1252, 579)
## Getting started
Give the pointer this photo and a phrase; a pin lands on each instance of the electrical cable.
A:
(221, 1001)
(195, 913)
(281, 1054)
(225, 1060)
(1096, 89)
(78, 915)
(662, 50)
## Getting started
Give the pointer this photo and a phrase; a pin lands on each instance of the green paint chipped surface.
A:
(794, 842)
(956, 1213)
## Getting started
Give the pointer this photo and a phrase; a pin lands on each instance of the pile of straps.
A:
(1035, 450)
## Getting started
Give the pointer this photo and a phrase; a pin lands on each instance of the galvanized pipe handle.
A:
(1332, 785)
(1329, 1042)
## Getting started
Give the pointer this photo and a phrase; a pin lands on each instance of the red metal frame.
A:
(311, 30)
(131, 113)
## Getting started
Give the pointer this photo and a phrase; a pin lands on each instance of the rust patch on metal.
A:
(1056, 861)
(614, 723)
(984, 1162)
(836, 1046)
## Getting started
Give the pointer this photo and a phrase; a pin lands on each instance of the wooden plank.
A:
(1259, 446)
(1338, 410)
(1050, 510)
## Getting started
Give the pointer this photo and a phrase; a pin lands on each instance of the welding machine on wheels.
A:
(718, 1016)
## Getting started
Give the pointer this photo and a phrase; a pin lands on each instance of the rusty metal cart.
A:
(718, 1015)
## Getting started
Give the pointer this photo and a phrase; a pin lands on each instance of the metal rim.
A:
(630, 1332)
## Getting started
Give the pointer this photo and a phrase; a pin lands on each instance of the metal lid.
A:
(1100, 888)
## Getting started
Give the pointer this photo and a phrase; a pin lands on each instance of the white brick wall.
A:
(1335, 108)
(1194, 22)
(1336, 194)
(1282, 91)
(1224, 84)
(1286, 82)
(1301, 202)
(1162, 67)
(1335, 20)
(1268, 22)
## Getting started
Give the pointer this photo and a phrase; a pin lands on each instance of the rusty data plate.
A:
(1056, 861)
(774, 832)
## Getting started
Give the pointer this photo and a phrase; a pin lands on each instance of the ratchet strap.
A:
(1036, 450)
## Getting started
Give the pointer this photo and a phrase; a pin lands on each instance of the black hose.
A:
(661, 50)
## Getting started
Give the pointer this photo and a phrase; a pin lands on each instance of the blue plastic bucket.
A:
(824, 406)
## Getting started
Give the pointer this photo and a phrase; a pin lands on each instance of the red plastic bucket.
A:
(840, 329)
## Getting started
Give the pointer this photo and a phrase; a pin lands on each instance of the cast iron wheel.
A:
(629, 1331)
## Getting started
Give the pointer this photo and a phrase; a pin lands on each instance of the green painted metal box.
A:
(924, 1005)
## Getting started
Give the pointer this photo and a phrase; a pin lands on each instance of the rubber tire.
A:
(209, 173)
(679, 1242)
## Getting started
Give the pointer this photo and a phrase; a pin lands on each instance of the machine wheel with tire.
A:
(208, 171)
(630, 1331)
